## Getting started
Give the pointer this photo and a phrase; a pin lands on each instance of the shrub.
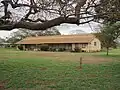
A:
(52, 49)
(20, 47)
(77, 49)
(44, 48)
(61, 49)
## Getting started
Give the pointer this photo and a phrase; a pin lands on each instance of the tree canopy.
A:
(23, 33)
(43, 14)
(108, 35)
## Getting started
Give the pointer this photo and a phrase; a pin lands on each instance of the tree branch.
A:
(39, 26)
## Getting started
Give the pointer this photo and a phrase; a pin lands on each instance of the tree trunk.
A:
(107, 51)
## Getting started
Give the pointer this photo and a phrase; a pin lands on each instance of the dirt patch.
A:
(79, 67)
(2, 84)
(67, 56)
(2, 87)
(43, 68)
(94, 60)
(41, 82)
(87, 58)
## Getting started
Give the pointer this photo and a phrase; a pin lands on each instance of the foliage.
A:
(20, 47)
(77, 49)
(109, 10)
(108, 34)
(44, 48)
(18, 35)
(49, 32)
(23, 33)
(61, 49)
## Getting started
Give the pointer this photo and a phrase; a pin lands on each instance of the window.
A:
(95, 43)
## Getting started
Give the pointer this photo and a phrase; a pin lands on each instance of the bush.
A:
(44, 48)
(61, 49)
(52, 49)
(20, 47)
(77, 49)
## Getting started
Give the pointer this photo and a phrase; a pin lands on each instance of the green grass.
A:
(19, 71)
(113, 53)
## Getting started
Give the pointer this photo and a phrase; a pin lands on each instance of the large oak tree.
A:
(43, 14)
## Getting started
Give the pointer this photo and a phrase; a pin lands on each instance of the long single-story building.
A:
(85, 42)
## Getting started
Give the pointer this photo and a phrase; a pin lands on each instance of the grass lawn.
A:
(21, 70)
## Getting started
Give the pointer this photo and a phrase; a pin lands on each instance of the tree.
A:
(110, 10)
(23, 33)
(108, 35)
(43, 14)
(18, 35)
(77, 32)
(49, 32)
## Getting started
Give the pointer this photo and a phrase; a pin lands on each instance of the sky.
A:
(64, 29)
(88, 28)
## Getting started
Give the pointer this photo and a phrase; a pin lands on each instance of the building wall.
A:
(94, 45)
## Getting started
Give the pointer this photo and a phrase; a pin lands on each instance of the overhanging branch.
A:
(39, 26)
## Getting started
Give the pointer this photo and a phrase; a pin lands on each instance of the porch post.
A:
(73, 46)
(24, 47)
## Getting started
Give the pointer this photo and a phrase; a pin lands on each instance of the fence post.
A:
(80, 62)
